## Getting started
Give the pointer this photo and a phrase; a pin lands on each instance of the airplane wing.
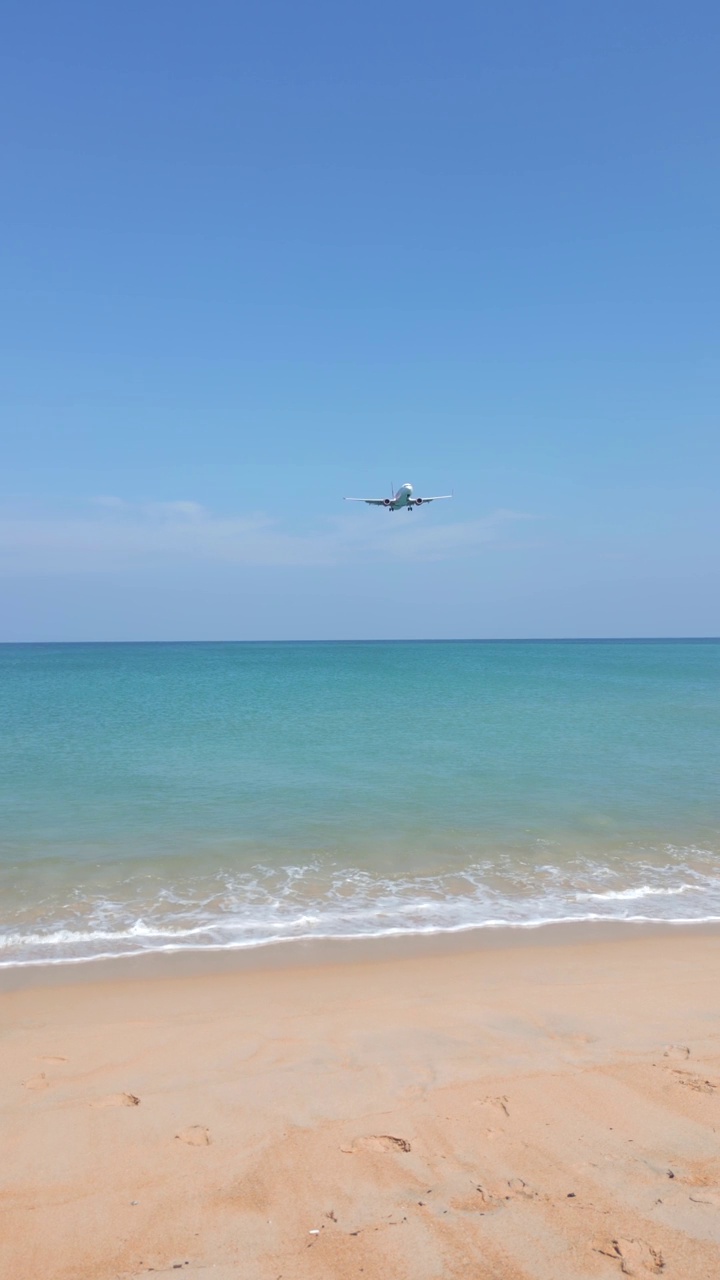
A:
(437, 498)
(374, 502)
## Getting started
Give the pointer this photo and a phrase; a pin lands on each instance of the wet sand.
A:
(549, 1111)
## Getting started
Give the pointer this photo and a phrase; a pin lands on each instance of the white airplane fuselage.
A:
(403, 498)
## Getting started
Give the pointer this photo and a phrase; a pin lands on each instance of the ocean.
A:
(164, 797)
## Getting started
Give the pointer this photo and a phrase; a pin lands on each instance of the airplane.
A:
(403, 498)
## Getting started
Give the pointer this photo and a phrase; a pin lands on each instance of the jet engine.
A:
(418, 501)
(386, 502)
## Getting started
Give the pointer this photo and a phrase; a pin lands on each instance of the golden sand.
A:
(515, 1113)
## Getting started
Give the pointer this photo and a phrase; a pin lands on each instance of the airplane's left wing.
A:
(437, 498)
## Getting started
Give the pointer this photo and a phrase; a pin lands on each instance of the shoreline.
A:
(301, 953)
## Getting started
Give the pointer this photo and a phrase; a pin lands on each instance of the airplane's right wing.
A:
(374, 502)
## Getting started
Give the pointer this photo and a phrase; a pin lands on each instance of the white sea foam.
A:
(643, 891)
(267, 905)
(248, 944)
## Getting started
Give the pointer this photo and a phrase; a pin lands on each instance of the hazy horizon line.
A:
(401, 640)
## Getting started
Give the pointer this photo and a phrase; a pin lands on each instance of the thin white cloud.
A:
(110, 534)
(107, 500)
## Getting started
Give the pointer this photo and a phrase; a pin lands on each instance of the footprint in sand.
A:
(117, 1100)
(195, 1136)
(377, 1142)
(493, 1197)
(677, 1052)
(489, 1201)
(479, 1200)
(500, 1104)
(37, 1083)
(636, 1257)
(706, 1195)
(517, 1187)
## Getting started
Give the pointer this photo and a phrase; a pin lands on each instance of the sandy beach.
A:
(545, 1111)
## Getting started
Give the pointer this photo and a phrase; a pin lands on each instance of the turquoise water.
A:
(163, 796)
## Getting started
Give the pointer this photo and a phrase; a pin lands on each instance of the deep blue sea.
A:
(170, 796)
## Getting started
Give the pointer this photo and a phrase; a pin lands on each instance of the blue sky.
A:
(256, 257)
